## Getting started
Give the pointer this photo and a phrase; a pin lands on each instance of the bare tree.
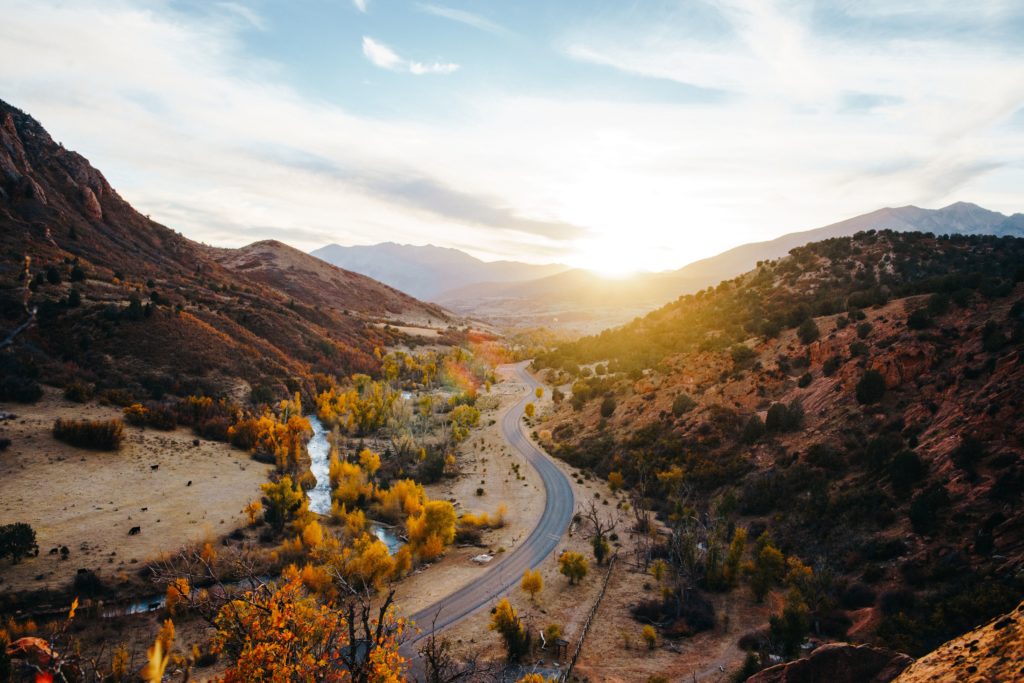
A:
(442, 666)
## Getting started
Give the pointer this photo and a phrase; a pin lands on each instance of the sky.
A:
(612, 135)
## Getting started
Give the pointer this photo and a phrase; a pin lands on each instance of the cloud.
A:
(383, 56)
(194, 127)
(360, 5)
(252, 18)
(462, 17)
(423, 193)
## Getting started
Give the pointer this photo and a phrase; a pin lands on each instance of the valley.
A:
(800, 459)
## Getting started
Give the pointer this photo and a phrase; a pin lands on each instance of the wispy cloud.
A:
(383, 56)
(463, 17)
(360, 5)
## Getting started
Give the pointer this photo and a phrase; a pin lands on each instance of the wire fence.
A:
(590, 618)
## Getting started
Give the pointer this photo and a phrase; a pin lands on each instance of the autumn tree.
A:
(530, 409)
(767, 568)
(283, 502)
(532, 583)
(178, 592)
(573, 566)
(505, 620)
(286, 634)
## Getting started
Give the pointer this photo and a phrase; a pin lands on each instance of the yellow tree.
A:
(509, 626)
(288, 635)
(573, 565)
(532, 583)
(529, 410)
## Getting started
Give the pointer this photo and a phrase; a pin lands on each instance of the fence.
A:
(590, 618)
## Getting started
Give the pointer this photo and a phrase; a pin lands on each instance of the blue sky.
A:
(612, 135)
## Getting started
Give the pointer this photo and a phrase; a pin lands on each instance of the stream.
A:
(319, 448)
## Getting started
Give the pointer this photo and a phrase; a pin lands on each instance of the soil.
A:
(89, 500)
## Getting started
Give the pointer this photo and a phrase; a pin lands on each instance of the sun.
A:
(608, 258)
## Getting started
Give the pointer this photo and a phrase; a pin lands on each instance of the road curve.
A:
(508, 570)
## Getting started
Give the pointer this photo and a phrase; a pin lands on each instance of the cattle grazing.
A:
(189, 483)
(154, 467)
(135, 531)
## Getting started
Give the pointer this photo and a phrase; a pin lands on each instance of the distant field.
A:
(88, 500)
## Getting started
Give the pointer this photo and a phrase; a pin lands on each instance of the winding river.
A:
(319, 448)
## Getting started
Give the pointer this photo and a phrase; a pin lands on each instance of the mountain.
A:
(961, 218)
(426, 271)
(91, 290)
(858, 400)
(587, 302)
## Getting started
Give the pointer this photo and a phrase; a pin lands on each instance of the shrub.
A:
(753, 429)
(20, 389)
(573, 565)
(919, 319)
(87, 583)
(682, 404)
(805, 380)
(650, 636)
(808, 331)
(78, 392)
(857, 595)
(905, 470)
(157, 416)
(863, 330)
(830, 366)
(925, 508)
(871, 387)
(104, 435)
(17, 541)
(607, 406)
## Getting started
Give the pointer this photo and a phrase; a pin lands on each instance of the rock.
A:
(838, 663)
(92, 205)
(994, 652)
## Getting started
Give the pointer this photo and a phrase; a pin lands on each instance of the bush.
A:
(78, 392)
(919, 319)
(104, 435)
(830, 366)
(17, 541)
(20, 389)
(863, 330)
(805, 380)
(607, 406)
(682, 404)
(905, 470)
(857, 595)
(753, 430)
(925, 508)
(808, 331)
(782, 418)
(871, 387)
(157, 416)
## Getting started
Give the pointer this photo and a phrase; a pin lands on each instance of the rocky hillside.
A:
(860, 399)
(91, 290)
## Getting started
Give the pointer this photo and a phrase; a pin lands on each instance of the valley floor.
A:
(89, 500)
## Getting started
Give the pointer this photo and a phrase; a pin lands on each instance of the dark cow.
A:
(154, 467)
(135, 531)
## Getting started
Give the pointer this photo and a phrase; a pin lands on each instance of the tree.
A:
(178, 592)
(285, 634)
(573, 565)
(17, 541)
(505, 620)
(530, 409)
(682, 404)
(767, 568)
(601, 548)
(615, 481)
(808, 331)
(532, 583)
(871, 387)
(283, 502)
(650, 636)
(789, 629)
(538, 392)
(74, 298)
(607, 406)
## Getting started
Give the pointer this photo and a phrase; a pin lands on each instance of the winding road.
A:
(507, 572)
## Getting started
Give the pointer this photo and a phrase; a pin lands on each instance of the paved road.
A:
(507, 569)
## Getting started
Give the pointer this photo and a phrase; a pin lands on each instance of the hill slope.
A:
(860, 399)
(125, 302)
(427, 271)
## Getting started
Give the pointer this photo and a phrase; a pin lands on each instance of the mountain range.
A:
(91, 289)
(587, 302)
(428, 271)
